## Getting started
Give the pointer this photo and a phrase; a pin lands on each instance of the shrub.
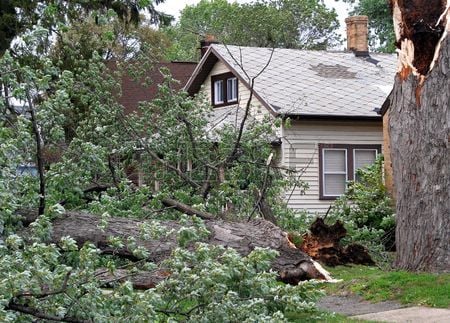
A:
(366, 210)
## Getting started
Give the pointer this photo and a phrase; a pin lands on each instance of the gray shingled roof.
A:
(231, 115)
(304, 82)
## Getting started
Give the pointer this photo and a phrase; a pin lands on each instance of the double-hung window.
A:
(232, 89)
(224, 90)
(338, 164)
(218, 92)
(335, 171)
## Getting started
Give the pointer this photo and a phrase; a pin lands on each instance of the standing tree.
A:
(419, 134)
(19, 16)
(381, 28)
(305, 24)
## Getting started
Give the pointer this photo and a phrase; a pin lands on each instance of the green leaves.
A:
(381, 27)
(92, 153)
(219, 285)
(288, 24)
(367, 210)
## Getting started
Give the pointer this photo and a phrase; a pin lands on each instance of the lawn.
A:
(378, 285)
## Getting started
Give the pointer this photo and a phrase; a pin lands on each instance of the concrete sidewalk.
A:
(416, 314)
(356, 307)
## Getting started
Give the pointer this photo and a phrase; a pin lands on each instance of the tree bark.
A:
(292, 264)
(420, 144)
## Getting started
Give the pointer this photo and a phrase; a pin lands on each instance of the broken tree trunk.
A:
(292, 264)
(322, 243)
(419, 134)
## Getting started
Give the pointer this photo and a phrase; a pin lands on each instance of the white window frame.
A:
(324, 172)
(218, 89)
(232, 89)
(354, 158)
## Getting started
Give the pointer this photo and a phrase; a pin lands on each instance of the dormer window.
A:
(224, 88)
(232, 89)
(218, 92)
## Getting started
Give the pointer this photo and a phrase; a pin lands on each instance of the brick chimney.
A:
(357, 35)
(206, 42)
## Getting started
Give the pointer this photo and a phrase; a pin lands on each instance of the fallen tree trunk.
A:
(292, 264)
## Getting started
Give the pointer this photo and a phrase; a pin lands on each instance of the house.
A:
(136, 91)
(330, 98)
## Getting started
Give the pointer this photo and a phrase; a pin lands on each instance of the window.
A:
(338, 164)
(363, 158)
(232, 89)
(218, 92)
(224, 89)
(335, 173)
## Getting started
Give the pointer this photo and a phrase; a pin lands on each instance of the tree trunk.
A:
(292, 264)
(419, 135)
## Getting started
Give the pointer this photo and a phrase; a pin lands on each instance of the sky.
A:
(173, 7)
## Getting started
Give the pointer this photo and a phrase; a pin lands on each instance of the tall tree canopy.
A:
(19, 16)
(266, 23)
(381, 28)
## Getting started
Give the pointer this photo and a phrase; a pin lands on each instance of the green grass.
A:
(378, 285)
(326, 318)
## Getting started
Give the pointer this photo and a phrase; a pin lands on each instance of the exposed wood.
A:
(322, 243)
(418, 31)
(292, 264)
(420, 140)
(388, 175)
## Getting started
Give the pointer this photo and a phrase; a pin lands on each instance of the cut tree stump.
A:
(292, 264)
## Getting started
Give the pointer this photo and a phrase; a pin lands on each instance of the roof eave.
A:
(332, 117)
(386, 104)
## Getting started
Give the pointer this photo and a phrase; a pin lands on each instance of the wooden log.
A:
(292, 264)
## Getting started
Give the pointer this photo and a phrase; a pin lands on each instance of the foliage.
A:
(380, 285)
(232, 288)
(288, 24)
(366, 209)
(59, 105)
(17, 17)
(61, 282)
(295, 220)
(381, 27)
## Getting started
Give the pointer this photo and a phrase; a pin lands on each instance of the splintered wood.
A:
(322, 243)
(420, 27)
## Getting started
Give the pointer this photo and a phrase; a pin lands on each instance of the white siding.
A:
(258, 110)
(300, 151)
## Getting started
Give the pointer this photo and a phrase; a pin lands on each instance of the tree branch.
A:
(50, 293)
(155, 156)
(39, 158)
(41, 315)
(184, 208)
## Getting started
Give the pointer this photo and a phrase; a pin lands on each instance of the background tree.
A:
(419, 134)
(381, 28)
(288, 24)
(19, 16)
